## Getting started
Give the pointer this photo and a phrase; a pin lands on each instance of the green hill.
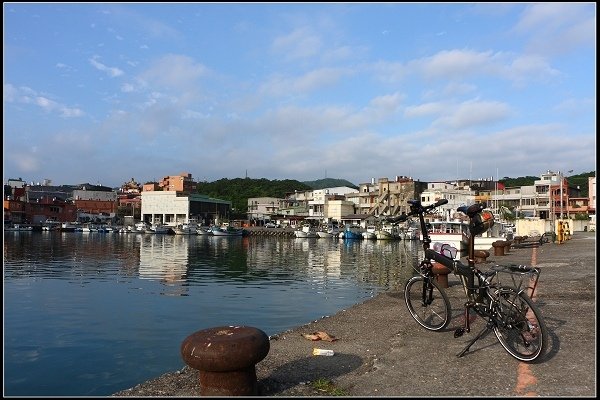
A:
(239, 190)
(329, 183)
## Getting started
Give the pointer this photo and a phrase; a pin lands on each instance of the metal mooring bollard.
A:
(498, 246)
(441, 274)
(226, 357)
(481, 255)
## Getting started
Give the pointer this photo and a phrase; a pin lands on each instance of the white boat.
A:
(226, 230)
(453, 232)
(499, 231)
(203, 230)
(388, 232)
(86, 228)
(370, 232)
(50, 225)
(18, 228)
(186, 229)
(306, 231)
(411, 233)
(142, 227)
(160, 229)
(328, 231)
(68, 227)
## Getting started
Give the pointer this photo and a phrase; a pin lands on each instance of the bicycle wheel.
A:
(519, 326)
(427, 303)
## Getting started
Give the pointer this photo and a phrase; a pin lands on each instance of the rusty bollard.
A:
(226, 358)
(481, 256)
(498, 246)
(441, 274)
(507, 244)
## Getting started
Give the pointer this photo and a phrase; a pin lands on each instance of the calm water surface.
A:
(89, 314)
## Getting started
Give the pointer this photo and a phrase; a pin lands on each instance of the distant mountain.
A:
(329, 183)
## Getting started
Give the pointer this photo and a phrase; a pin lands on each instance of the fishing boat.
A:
(454, 232)
(203, 230)
(226, 230)
(352, 232)
(159, 228)
(189, 228)
(411, 233)
(499, 231)
(328, 231)
(18, 228)
(142, 227)
(388, 232)
(370, 232)
(306, 231)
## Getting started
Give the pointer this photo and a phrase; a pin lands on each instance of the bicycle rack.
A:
(518, 275)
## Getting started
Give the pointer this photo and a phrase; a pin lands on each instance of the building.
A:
(391, 195)
(178, 183)
(263, 209)
(95, 203)
(47, 202)
(173, 201)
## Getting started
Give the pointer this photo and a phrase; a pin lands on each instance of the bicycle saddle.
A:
(471, 210)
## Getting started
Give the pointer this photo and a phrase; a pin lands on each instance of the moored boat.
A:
(353, 232)
(306, 231)
(328, 231)
(453, 232)
(226, 230)
(387, 232)
(370, 232)
(186, 229)
(18, 228)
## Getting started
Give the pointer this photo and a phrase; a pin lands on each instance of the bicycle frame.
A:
(465, 272)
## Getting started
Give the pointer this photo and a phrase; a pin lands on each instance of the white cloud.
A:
(558, 28)
(113, 72)
(25, 95)
(300, 44)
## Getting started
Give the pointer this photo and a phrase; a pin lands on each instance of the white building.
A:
(174, 208)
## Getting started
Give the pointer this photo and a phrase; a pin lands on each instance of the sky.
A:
(102, 93)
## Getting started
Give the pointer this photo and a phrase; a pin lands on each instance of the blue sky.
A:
(106, 92)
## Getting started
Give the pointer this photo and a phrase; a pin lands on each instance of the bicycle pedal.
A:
(459, 332)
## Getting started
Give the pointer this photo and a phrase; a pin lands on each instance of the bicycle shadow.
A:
(308, 369)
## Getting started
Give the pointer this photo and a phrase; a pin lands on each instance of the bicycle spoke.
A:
(427, 304)
(519, 326)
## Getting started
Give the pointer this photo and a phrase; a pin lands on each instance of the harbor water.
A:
(90, 314)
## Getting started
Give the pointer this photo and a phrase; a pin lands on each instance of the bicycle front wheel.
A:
(427, 303)
(519, 326)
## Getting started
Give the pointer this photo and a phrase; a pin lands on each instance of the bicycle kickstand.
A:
(481, 334)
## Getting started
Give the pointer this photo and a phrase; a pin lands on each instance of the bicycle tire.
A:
(519, 325)
(433, 314)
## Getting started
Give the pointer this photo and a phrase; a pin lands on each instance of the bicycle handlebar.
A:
(415, 209)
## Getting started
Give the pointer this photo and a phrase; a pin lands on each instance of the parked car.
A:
(271, 225)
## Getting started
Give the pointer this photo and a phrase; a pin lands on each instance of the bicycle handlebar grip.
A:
(441, 202)
(399, 218)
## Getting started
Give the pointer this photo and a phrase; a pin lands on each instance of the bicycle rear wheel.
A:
(427, 303)
(519, 327)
